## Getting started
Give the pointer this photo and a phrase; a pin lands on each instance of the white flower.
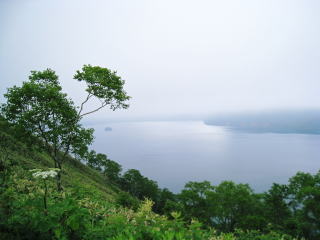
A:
(45, 174)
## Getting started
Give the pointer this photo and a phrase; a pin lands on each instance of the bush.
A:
(124, 199)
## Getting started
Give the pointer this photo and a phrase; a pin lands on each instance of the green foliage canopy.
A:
(139, 186)
(103, 84)
(40, 108)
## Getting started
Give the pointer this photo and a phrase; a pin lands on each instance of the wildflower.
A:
(38, 173)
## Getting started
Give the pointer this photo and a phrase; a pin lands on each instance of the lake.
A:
(175, 152)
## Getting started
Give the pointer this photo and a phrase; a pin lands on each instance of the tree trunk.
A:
(59, 184)
(57, 164)
(45, 197)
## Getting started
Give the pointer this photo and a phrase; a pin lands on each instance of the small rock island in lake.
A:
(107, 129)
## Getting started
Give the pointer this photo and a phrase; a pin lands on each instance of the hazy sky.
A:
(177, 56)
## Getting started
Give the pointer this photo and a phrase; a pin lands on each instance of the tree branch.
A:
(48, 146)
(82, 104)
(102, 106)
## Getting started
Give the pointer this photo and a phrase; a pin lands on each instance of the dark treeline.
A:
(293, 208)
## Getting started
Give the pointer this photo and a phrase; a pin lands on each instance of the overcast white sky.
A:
(177, 56)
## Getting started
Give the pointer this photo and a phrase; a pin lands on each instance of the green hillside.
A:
(74, 172)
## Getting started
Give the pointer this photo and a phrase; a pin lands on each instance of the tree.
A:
(230, 204)
(277, 206)
(112, 170)
(95, 160)
(40, 108)
(100, 162)
(139, 186)
(194, 198)
(103, 84)
(163, 204)
(304, 197)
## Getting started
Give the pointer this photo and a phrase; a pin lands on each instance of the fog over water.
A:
(182, 60)
(175, 152)
(177, 57)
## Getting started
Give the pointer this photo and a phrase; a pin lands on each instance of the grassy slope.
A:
(74, 172)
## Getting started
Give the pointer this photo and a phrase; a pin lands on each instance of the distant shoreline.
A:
(284, 122)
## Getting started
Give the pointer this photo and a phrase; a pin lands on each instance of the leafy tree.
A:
(139, 186)
(304, 194)
(103, 84)
(230, 204)
(161, 204)
(254, 218)
(100, 162)
(112, 170)
(94, 160)
(277, 206)
(40, 108)
(194, 198)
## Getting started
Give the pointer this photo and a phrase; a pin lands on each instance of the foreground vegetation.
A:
(89, 207)
(54, 187)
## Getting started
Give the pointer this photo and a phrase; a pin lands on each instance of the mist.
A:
(179, 58)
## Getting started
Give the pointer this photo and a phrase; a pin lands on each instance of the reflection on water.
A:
(173, 153)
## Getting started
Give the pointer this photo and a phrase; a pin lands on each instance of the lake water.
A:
(175, 152)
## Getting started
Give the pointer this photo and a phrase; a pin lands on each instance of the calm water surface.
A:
(173, 153)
